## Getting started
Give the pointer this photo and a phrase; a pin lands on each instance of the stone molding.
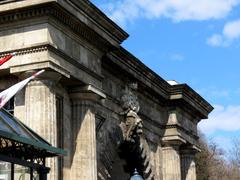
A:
(87, 92)
(48, 64)
(191, 99)
(164, 127)
(181, 129)
(138, 70)
(190, 149)
(46, 77)
(56, 11)
(173, 141)
(94, 13)
(28, 50)
(149, 80)
(74, 62)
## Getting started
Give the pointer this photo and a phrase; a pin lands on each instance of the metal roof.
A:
(22, 140)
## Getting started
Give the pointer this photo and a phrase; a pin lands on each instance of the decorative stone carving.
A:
(133, 123)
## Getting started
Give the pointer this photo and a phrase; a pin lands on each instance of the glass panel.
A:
(21, 172)
(16, 127)
(5, 170)
(4, 126)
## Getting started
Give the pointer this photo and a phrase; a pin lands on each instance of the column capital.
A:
(87, 92)
(173, 141)
(46, 75)
(190, 150)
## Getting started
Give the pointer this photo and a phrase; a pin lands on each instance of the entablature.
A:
(169, 95)
(96, 28)
(45, 56)
(183, 94)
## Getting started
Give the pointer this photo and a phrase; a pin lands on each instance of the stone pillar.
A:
(84, 163)
(40, 111)
(171, 162)
(188, 166)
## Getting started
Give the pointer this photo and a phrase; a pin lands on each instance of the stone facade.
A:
(97, 101)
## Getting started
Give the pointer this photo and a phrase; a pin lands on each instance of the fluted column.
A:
(171, 162)
(39, 111)
(188, 165)
(84, 164)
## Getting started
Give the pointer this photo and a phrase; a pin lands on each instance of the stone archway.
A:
(131, 156)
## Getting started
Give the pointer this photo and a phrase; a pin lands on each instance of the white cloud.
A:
(123, 11)
(214, 92)
(215, 40)
(232, 30)
(176, 57)
(230, 33)
(222, 118)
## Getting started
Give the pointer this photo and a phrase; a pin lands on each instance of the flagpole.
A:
(7, 94)
(6, 58)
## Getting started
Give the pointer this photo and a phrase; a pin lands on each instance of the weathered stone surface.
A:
(84, 163)
(171, 163)
(76, 104)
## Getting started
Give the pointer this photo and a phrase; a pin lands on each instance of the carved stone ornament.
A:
(132, 122)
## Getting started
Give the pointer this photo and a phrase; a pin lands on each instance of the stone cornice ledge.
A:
(182, 92)
(80, 15)
(139, 71)
(101, 19)
(56, 11)
(47, 63)
(89, 92)
(173, 140)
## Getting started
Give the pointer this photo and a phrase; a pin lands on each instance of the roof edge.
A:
(171, 93)
(95, 13)
(186, 93)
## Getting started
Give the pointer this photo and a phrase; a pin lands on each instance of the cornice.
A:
(163, 127)
(26, 50)
(139, 71)
(178, 95)
(101, 19)
(74, 62)
(182, 93)
(125, 60)
(48, 47)
(56, 11)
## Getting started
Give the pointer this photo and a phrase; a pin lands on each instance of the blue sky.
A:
(193, 42)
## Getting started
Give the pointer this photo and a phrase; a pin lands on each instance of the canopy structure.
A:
(21, 145)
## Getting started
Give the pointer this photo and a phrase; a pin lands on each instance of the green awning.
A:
(16, 139)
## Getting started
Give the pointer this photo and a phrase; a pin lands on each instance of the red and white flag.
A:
(6, 58)
(10, 92)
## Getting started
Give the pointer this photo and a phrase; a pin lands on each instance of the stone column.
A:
(40, 111)
(84, 163)
(188, 166)
(171, 162)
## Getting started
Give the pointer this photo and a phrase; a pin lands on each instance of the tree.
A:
(234, 159)
(210, 163)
